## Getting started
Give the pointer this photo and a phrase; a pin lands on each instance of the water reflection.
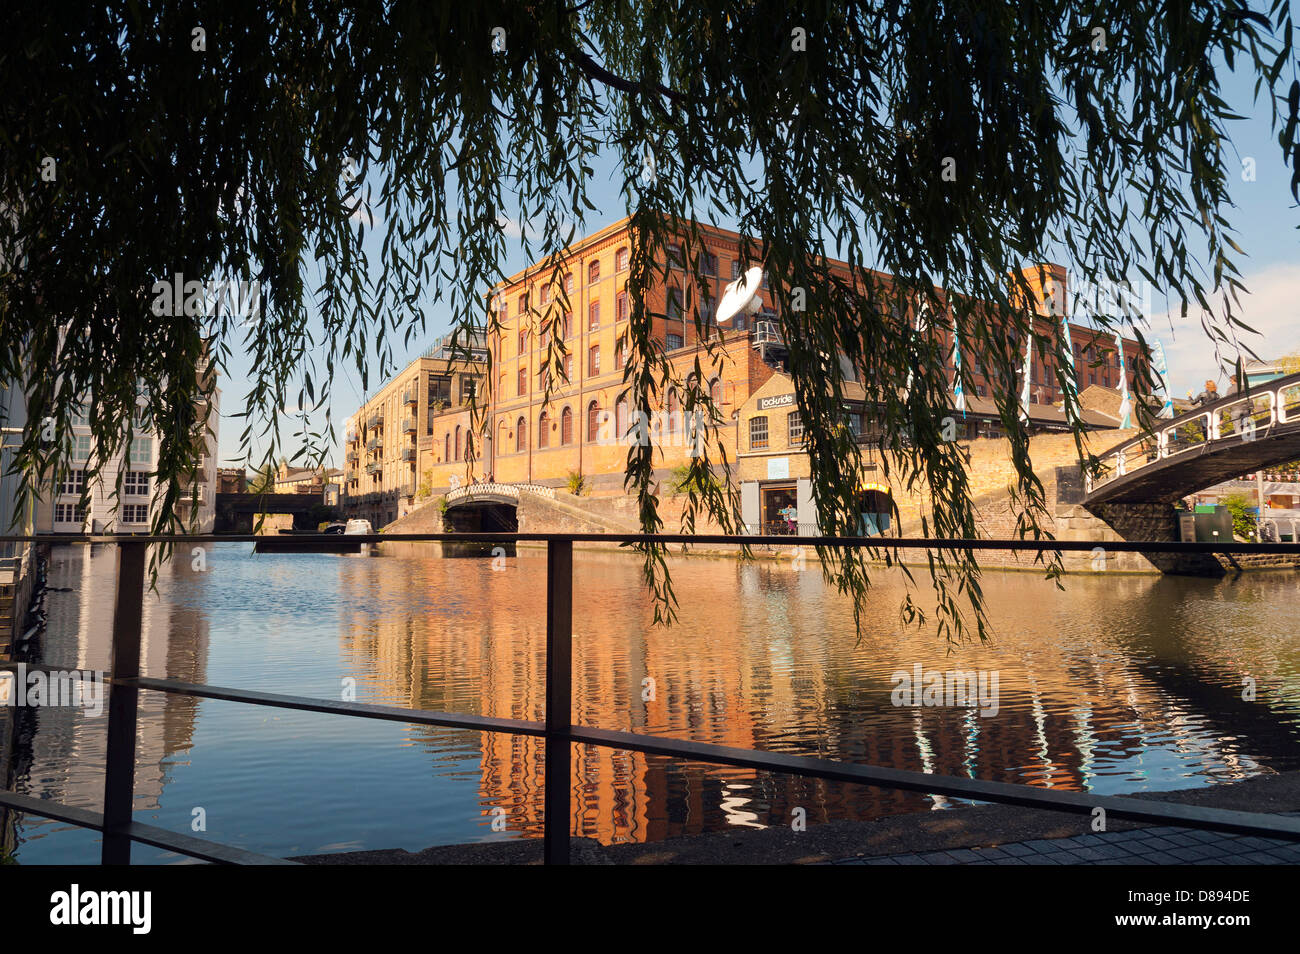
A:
(1116, 684)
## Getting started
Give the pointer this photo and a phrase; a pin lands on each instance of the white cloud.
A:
(363, 216)
(509, 226)
(1272, 309)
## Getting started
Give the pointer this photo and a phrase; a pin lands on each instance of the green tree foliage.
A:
(1243, 520)
(945, 144)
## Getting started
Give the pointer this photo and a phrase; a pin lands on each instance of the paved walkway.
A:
(1141, 846)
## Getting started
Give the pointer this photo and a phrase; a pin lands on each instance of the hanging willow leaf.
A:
(1093, 134)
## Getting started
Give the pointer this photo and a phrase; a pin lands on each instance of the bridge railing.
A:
(500, 490)
(1236, 417)
(120, 830)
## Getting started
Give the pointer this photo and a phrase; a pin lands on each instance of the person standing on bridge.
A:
(1208, 396)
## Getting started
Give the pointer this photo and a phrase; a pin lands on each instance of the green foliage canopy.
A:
(257, 141)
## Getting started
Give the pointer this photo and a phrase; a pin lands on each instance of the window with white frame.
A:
(142, 451)
(81, 447)
(135, 483)
(135, 513)
(73, 483)
(69, 513)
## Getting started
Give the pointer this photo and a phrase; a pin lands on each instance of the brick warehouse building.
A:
(411, 440)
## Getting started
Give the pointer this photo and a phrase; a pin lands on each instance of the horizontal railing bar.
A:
(200, 848)
(973, 789)
(364, 710)
(874, 543)
(1007, 793)
(48, 808)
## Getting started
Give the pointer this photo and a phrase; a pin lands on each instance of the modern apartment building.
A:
(389, 444)
(63, 510)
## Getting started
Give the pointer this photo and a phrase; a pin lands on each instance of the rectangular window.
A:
(568, 284)
(735, 269)
(135, 484)
(142, 451)
(620, 354)
(593, 273)
(80, 417)
(674, 342)
(795, 426)
(854, 420)
(593, 316)
(675, 256)
(523, 381)
(674, 309)
(69, 513)
(708, 263)
(523, 304)
(74, 483)
(468, 389)
(81, 451)
(439, 389)
(757, 433)
(593, 361)
(622, 308)
(568, 367)
(135, 513)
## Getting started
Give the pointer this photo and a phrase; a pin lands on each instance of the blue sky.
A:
(1264, 216)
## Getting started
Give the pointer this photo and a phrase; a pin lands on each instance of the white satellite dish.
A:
(742, 296)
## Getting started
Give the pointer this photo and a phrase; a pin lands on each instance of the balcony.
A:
(375, 421)
(409, 454)
(767, 333)
(374, 444)
(352, 435)
(408, 489)
(410, 396)
(408, 425)
(353, 457)
(373, 469)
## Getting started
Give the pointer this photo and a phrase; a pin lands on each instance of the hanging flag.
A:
(1029, 354)
(958, 393)
(1162, 368)
(922, 309)
(1125, 404)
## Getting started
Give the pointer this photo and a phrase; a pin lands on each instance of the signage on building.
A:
(779, 400)
(778, 468)
(879, 488)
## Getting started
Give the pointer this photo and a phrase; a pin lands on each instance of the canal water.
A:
(1115, 684)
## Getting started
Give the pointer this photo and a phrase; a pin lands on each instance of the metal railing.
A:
(557, 730)
(501, 490)
(1244, 417)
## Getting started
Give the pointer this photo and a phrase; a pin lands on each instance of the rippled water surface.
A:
(1116, 684)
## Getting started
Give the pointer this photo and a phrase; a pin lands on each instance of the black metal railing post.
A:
(119, 768)
(559, 699)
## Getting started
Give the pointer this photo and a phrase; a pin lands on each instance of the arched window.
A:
(674, 410)
(621, 260)
(543, 431)
(593, 272)
(593, 422)
(502, 431)
(446, 446)
(521, 435)
(457, 442)
(715, 391)
(566, 426)
(620, 417)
